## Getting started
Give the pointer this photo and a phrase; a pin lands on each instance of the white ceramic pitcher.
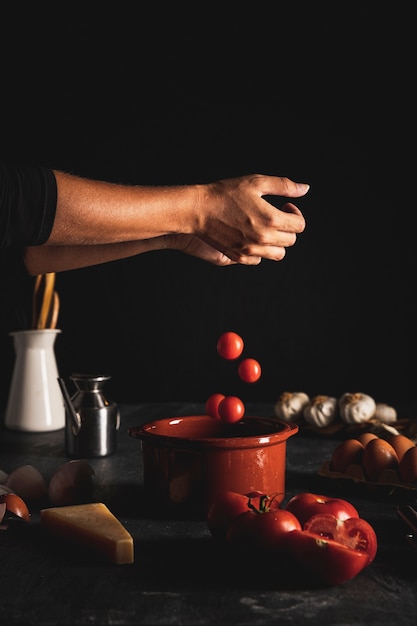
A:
(35, 402)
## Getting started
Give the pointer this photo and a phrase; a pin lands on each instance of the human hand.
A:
(194, 246)
(235, 218)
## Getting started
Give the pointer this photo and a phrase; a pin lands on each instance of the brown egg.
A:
(365, 437)
(348, 452)
(378, 456)
(401, 444)
(408, 466)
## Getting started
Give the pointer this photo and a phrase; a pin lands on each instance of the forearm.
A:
(46, 259)
(96, 212)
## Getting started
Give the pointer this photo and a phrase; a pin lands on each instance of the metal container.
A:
(92, 421)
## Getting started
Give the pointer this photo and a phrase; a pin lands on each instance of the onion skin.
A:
(15, 505)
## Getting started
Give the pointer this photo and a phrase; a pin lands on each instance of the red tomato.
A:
(305, 505)
(223, 509)
(355, 532)
(231, 409)
(262, 531)
(329, 561)
(230, 345)
(227, 505)
(249, 370)
(212, 405)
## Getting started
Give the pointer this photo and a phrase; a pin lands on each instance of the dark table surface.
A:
(179, 575)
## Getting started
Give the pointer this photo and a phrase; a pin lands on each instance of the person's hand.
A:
(234, 217)
(194, 246)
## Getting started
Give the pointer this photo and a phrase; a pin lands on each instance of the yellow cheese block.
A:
(92, 525)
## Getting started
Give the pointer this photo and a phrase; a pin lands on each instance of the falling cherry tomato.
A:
(212, 404)
(249, 370)
(230, 345)
(231, 409)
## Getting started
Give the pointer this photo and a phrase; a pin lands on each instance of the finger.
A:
(288, 219)
(272, 253)
(281, 186)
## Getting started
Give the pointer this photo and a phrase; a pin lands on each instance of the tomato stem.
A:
(265, 502)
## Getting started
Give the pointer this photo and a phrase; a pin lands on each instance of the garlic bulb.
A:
(355, 408)
(289, 406)
(385, 413)
(321, 411)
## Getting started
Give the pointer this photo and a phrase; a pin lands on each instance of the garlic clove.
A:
(27, 482)
(385, 413)
(382, 430)
(321, 411)
(355, 408)
(289, 406)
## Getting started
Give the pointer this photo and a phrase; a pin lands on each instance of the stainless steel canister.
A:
(92, 421)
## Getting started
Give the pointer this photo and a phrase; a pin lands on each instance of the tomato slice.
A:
(354, 533)
(328, 561)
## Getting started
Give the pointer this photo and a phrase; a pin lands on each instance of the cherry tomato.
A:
(305, 505)
(355, 532)
(230, 345)
(231, 409)
(328, 561)
(212, 404)
(249, 370)
(15, 505)
(262, 531)
(227, 505)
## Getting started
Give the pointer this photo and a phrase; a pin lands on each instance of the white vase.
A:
(35, 402)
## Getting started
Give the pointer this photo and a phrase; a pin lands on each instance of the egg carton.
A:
(388, 484)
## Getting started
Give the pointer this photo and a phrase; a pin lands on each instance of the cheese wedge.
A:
(92, 525)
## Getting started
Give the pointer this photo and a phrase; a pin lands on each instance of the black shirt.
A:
(28, 198)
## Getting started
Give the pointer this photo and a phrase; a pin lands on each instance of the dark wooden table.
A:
(179, 576)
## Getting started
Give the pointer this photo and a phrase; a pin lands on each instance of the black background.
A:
(168, 96)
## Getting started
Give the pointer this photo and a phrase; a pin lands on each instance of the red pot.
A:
(187, 460)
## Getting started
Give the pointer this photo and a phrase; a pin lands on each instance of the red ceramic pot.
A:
(187, 460)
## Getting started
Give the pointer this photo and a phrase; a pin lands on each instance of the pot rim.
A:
(148, 433)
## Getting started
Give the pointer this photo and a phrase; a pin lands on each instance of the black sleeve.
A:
(27, 210)
(28, 198)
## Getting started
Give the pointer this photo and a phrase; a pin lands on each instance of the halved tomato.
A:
(326, 560)
(354, 533)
